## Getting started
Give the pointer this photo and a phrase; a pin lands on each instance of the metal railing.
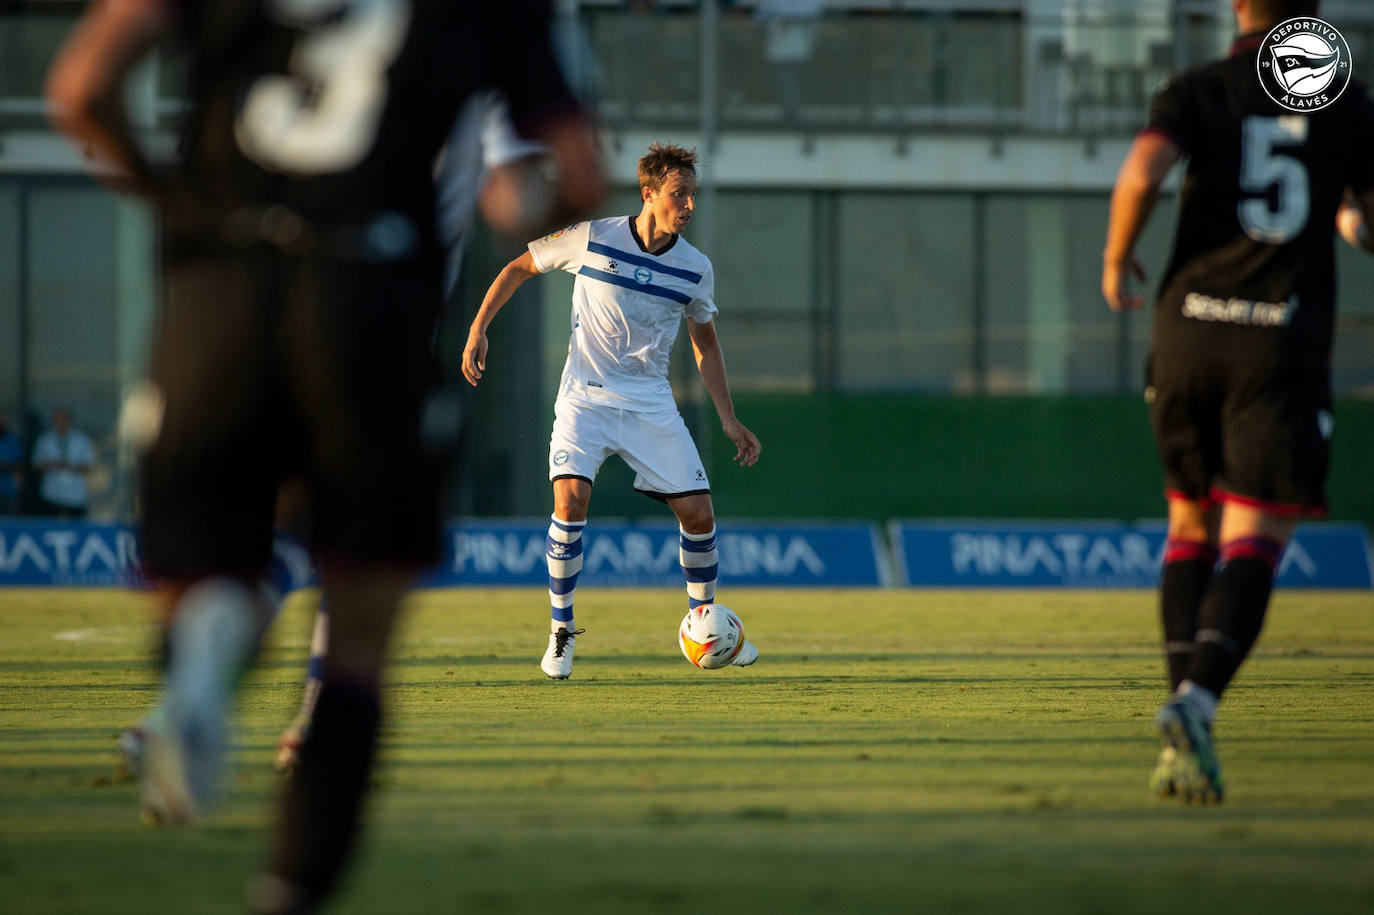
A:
(1072, 67)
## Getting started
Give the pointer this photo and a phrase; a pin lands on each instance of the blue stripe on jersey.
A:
(597, 247)
(661, 291)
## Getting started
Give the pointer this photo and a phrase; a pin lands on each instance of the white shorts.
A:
(656, 445)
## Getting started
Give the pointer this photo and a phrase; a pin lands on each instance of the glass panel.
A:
(72, 272)
(984, 61)
(650, 64)
(9, 300)
(28, 43)
(906, 284)
(762, 252)
(1094, 330)
(1048, 329)
(1352, 357)
(766, 352)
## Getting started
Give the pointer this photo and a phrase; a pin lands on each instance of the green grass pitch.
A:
(892, 751)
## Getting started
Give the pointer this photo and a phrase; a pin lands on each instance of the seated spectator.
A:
(63, 457)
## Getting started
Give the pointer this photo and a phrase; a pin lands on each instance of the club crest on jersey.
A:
(560, 457)
(1304, 64)
(643, 274)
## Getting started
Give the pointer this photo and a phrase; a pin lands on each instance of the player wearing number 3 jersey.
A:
(1239, 374)
(302, 270)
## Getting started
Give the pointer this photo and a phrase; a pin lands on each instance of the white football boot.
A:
(558, 657)
(748, 654)
(165, 795)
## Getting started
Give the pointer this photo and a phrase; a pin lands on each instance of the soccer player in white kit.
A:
(637, 278)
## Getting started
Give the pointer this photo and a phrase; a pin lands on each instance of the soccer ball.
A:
(710, 636)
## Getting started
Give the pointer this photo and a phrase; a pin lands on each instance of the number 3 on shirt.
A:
(1263, 165)
(322, 115)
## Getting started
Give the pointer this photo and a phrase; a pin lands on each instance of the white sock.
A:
(211, 638)
(1200, 698)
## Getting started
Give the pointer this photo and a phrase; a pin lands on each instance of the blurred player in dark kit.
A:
(302, 274)
(1239, 375)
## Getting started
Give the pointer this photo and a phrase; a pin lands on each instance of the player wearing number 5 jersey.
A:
(1239, 377)
(302, 272)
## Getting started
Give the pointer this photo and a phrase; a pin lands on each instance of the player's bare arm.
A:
(540, 192)
(1133, 200)
(85, 88)
(511, 277)
(1354, 218)
(711, 364)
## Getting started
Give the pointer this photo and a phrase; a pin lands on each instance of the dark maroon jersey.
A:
(336, 109)
(1252, 274)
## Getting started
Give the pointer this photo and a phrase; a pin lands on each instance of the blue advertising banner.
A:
(1084, 554)
(933, 554)
(619, 554)
(509, 552)
(74, 554)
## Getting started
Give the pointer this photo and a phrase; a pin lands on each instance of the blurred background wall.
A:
(905, 202)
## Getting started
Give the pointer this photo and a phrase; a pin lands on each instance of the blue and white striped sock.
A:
(700, 566)
(563, 550)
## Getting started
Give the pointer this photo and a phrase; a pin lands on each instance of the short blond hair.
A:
(662, 160)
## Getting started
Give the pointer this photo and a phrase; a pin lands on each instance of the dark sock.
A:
(323, 801)
(1232, 613)
(1188, 566)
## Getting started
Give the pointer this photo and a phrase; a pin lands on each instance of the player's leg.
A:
(583, 436)
(668, 467)
(288, 570)
(293, 737)
(1185, 417)
(322, 805)
(1229, 622)
(359, 376)
(697, 546)
(563, 554)
(211, 634)
(658, 447)
(1190, 555)
(1252, 543)
(206, 494)
(700, 558)
(1276, 424)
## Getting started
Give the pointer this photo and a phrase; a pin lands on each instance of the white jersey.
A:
(627, 306)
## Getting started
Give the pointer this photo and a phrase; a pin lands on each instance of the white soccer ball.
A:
(710, 636)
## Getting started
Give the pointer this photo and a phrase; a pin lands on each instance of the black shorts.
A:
(1246, 432)
(275, 368)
